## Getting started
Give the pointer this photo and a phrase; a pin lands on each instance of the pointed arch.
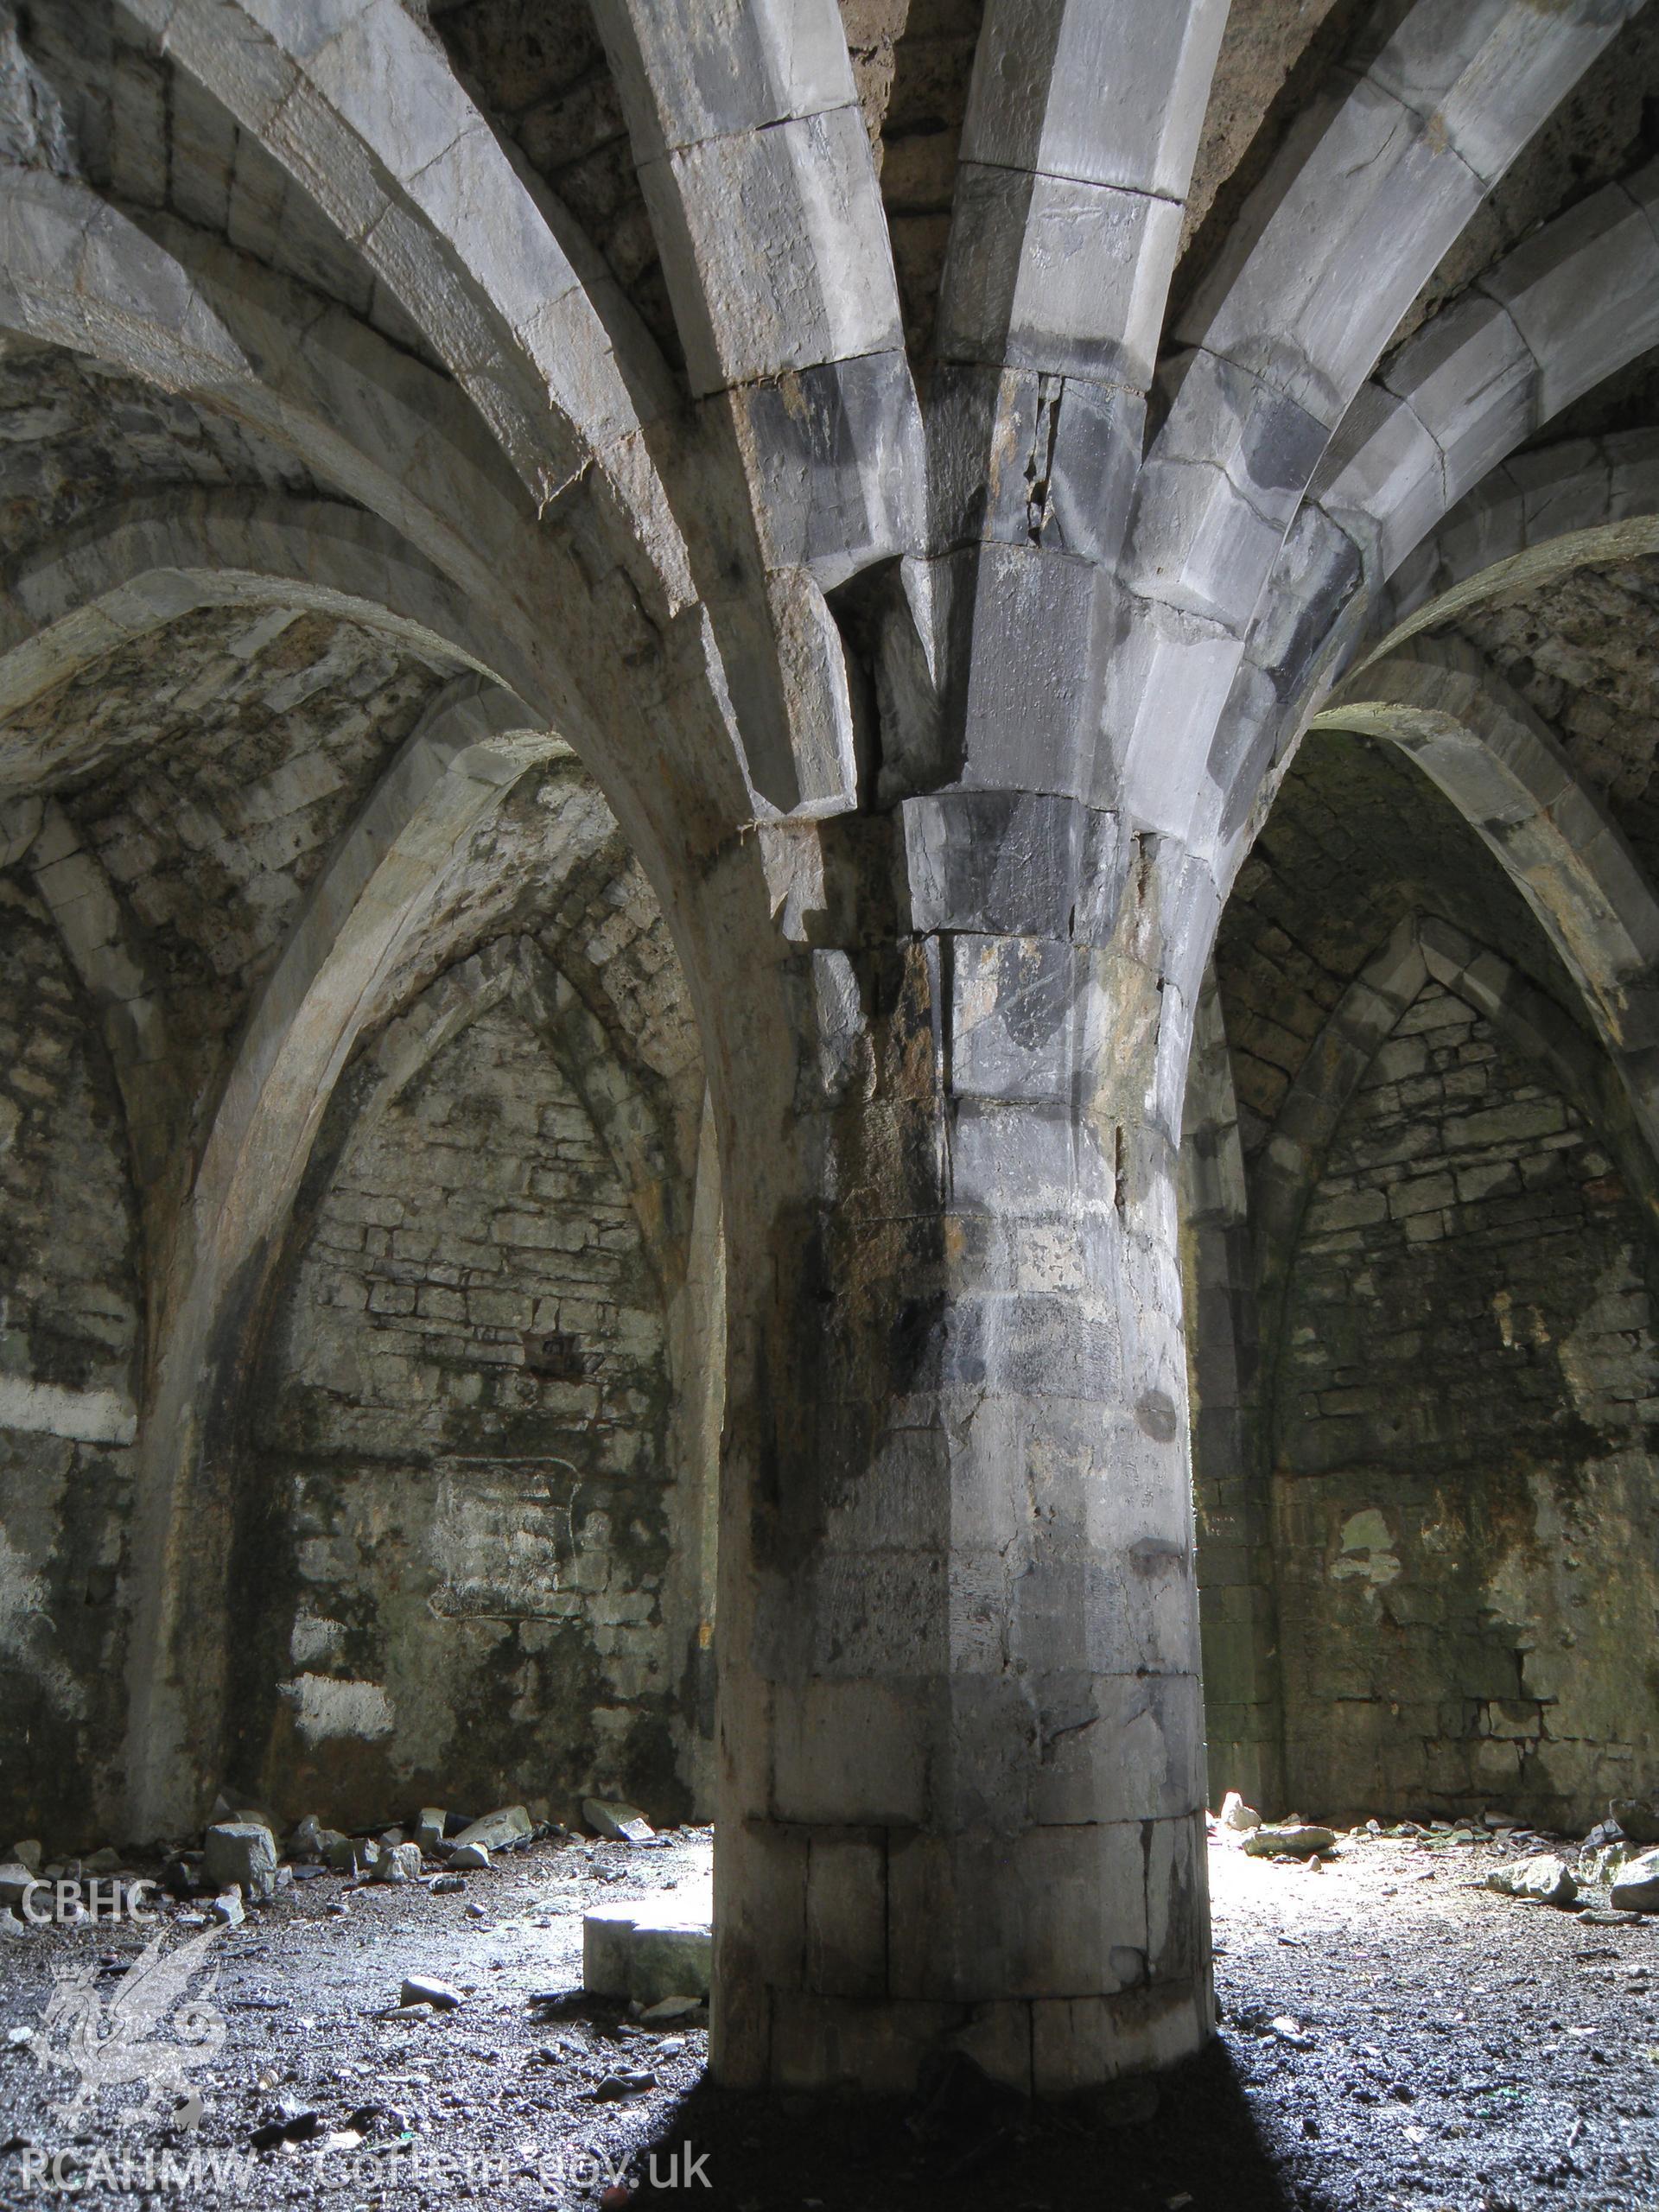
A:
(1483, 746)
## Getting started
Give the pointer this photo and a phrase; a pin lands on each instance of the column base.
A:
(1044, 2046)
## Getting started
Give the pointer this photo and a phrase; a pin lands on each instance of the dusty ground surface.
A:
(1392, 2035)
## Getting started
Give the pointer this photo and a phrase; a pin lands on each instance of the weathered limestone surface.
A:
(1398, 1393)
(468, 1434)
(1464, 1526)
(70, 1348)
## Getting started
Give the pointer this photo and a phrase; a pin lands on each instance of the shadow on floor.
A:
(1187, 2143)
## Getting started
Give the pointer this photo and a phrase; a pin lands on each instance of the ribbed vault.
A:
(679, 626)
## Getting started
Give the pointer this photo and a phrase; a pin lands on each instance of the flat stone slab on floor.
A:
(650, 1948)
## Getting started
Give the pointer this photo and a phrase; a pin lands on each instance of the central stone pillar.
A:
(962, 1773)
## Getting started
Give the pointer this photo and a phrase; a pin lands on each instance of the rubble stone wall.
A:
(70, 1334)
(462, 1531)
(1465, 1513)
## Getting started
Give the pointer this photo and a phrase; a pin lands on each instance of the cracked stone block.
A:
(498, 1831)
(617, 1823)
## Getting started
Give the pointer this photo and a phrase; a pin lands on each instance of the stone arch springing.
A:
(1460, 396)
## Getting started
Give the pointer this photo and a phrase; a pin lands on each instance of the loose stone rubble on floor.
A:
(1391, 2027)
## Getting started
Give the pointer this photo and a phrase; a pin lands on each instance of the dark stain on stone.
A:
(1155, 1412)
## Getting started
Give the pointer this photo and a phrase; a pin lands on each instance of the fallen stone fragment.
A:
(1596, 1918)
(1297, 1840)
(468, 1858)
(181, 1873)
(243, 1852)
(29, 1854)
(1636, 1887)
(428, 1829)
(228, 1908)
(298, 2127)
(616, 1823)
(17, 2038)
(1603, 1863)
(253, 1816)
(1638, 1817)
(615, 2086)
(1604, 1833)
(1541, 1879)
(401, 1862)
(422, 1989)
(105, 1861)
(442, 1884)
(671, 2008)
(498, 1831)
(1235, 1817)
(306, 1841)
(352, 1854)
(15, 1882)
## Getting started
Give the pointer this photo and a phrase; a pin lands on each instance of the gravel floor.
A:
(1392, 2034)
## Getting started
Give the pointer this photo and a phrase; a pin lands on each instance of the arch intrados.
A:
(1530, 569)
(118, 580)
